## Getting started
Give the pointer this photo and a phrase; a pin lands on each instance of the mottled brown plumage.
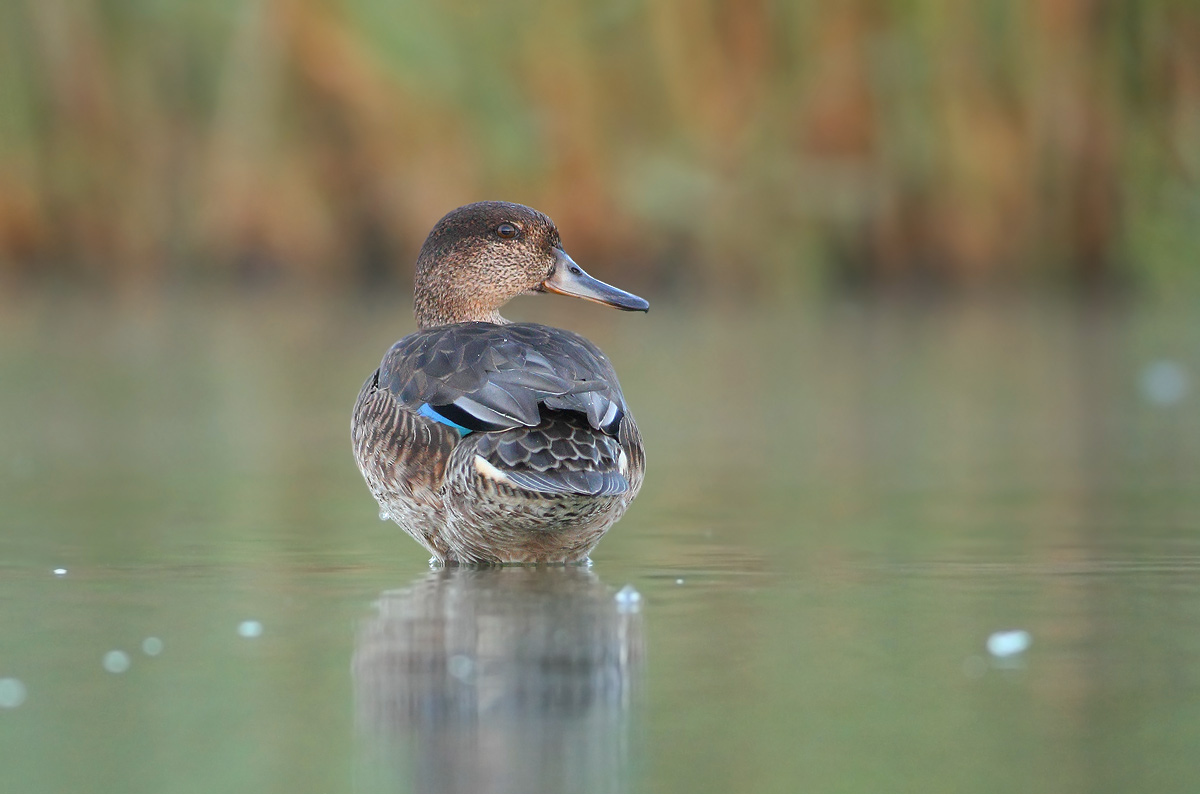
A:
(489, 441)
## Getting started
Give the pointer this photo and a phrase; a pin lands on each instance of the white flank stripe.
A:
(489, 471)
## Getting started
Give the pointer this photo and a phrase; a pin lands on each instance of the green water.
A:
(843, 503)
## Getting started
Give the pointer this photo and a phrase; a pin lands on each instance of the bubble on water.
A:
(116, 661)
(461, 667)
(250, 629)
(1164, 382)
(384, 515)
(12, 693)
(678, 581)
(60, 571)
(152, 646)
(1005, 644)
(628, 599)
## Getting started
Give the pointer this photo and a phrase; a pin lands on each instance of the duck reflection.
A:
(501, 680)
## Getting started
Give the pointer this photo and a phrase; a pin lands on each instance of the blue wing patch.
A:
(428, 412)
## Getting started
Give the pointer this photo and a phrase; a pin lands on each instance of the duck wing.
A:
(563, 455)
(482, 376)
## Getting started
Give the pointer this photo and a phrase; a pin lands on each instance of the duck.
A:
(496, 442)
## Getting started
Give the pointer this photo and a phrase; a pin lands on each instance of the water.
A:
(845, 505)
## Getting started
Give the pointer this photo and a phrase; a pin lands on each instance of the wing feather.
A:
(564, 455)
(495, 377)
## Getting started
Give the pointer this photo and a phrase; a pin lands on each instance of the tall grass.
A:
(761, 146)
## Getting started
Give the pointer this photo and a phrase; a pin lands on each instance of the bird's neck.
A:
(445, 294)
(431, 313)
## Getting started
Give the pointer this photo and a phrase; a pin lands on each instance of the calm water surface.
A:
(844, 503)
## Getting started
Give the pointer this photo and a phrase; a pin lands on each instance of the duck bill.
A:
(570, 279)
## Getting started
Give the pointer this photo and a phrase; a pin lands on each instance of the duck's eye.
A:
(506, 230)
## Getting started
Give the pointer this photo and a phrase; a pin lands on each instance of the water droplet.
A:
(152, 646)
(1003, 644)
(250, 629)
(116, 661)
(628, 599)
(384, 515)
(1164, 382)
(461, 667)
(60, 571)
(12, 693)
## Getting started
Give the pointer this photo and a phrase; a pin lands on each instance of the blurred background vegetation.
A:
(749, 147)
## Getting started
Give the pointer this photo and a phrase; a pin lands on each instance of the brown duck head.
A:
(480, 256)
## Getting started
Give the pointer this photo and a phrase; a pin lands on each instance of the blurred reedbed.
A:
(749, 147)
